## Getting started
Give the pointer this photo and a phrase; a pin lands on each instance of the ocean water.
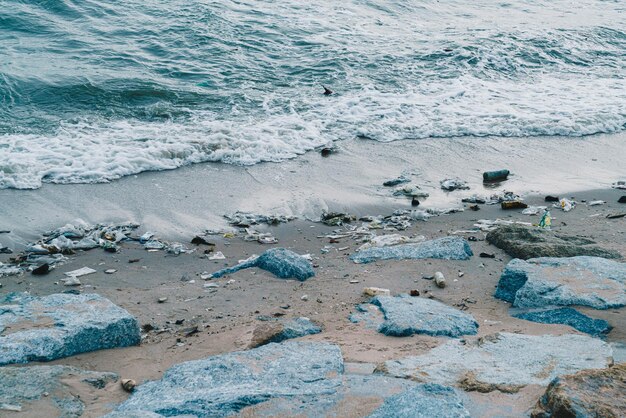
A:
(91, 91)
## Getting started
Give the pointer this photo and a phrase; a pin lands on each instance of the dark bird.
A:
(327, 91)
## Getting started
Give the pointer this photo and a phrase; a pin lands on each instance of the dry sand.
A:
(227, 316)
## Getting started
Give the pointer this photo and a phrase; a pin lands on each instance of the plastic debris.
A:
(493, 176)
(619, 185)
(565, 204)
(410, 191)
(336, 218)
(246, 219)
(440, 280)
(71, 281)
(80, 272)
(546, 220)
(533, 210)
(454, 184)
(596, 203)
(391, 239)
(218, 256)
(513, 204)
(396, 181)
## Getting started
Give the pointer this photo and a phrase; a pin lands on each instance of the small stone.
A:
(201, 241)
(487, 255)
(354, 281)
(622, 199)
(376, 291)
(304, 297)
(415, 202)
(461, 274)
(474, 207)
(440, 280)
(42, 269)
(552, 199)
(128, 385)
(414, 293)
(162, 299)
(110, 271)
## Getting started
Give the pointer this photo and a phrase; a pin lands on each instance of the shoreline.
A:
(193, 198)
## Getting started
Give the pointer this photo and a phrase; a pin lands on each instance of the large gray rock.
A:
(447, 248)
(287, 379)
(423, 401)
(405, 315)
(503, 361)
(526, 242)
(61, 325)
(587, 281)
(590, 393)
(225, 384)
(278, 261)
(30, 388)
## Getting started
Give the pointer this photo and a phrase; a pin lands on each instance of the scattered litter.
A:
(396, 181)
(154, 245)
(391, 239)
(513, 204)
(246, 219)
(162, 299)
(261, 237)
(454, 184)
(71, 281)
(354, 281)
(80, 272)
(128, 385)
(110, 271)
(177, 248)
(376, 291)
(336, 218)
(474, 199)
(596, 203)
(619, 185)
(410, 191)
(546, 220)
(304, 297)
(440, 280)
(487, 225)
(10, 407)
(565, 204)
(211, 285)
(534, 210)
(218, 256)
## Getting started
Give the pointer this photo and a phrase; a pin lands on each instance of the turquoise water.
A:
(95, 90)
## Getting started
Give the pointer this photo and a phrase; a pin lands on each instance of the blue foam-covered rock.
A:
(568, 316)
(587, 281)
(423, 401)
(281, 262)
(447, 248)
(405, 315)
(225, 384)
(61, 325)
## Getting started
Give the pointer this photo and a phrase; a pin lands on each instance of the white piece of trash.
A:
(80, 272)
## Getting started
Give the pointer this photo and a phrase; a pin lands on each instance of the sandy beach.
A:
(222, 318)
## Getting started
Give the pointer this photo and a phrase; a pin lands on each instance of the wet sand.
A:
(226, 316)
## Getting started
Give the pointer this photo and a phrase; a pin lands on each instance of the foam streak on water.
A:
(92, 91)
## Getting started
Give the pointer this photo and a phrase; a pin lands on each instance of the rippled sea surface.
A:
(94, 90)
